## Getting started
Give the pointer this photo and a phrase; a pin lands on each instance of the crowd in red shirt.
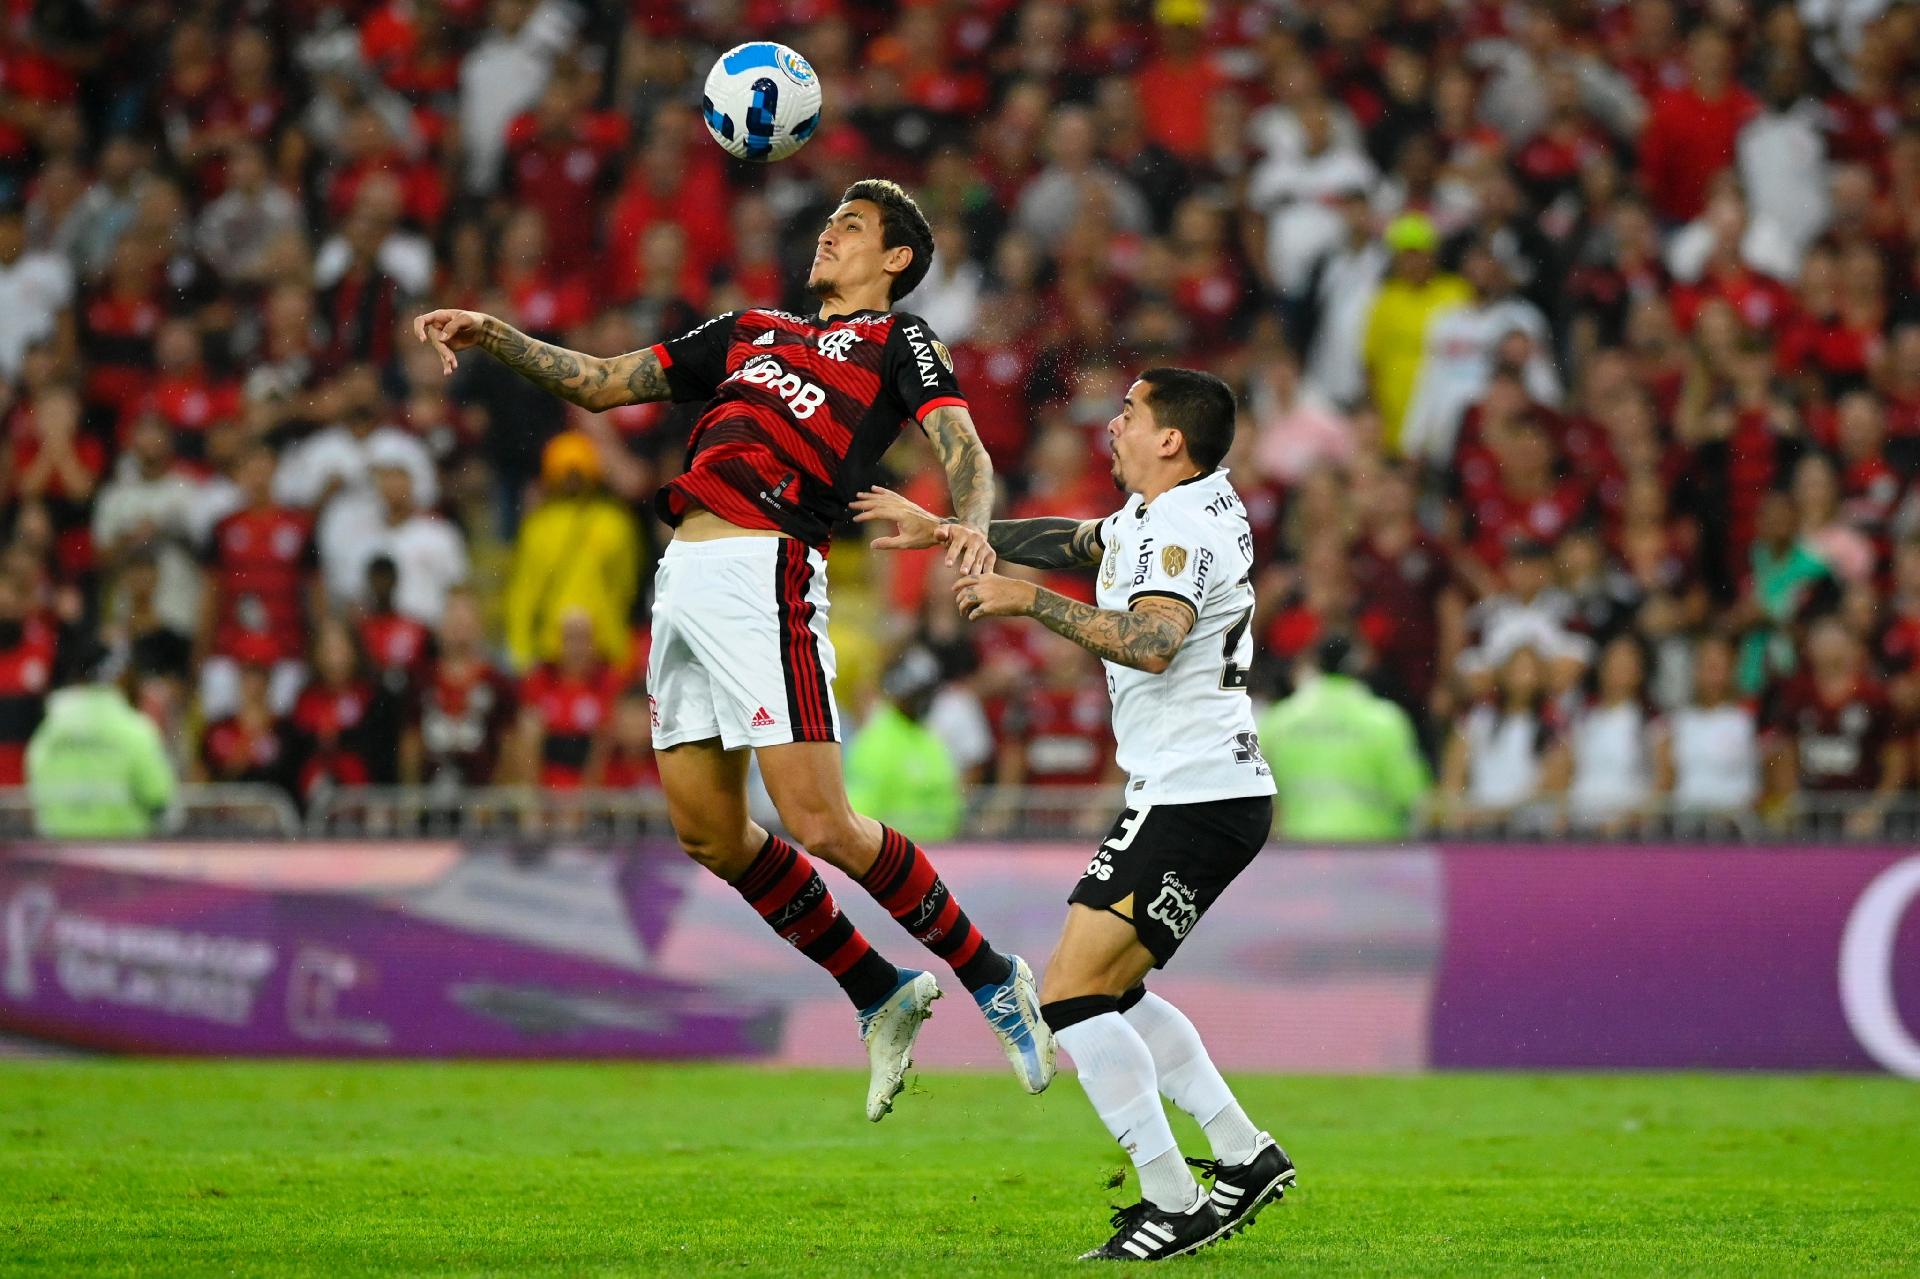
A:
(1687, 389)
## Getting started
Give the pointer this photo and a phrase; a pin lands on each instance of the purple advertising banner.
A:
(1352, 960)
(160, 951)
(1670, 958)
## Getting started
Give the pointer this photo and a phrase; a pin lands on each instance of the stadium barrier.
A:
(199, 812)
(1446, 956)
(1066, 813)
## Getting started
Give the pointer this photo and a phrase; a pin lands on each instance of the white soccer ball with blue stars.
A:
(762, 101)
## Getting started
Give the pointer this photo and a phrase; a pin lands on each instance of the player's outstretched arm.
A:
(593, 382)
(1146, 637)
(1047, 541)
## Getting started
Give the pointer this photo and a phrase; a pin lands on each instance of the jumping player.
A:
(1175, 601)
(799, 411)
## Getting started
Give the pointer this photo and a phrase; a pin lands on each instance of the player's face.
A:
(1136, 438)
(850, 254)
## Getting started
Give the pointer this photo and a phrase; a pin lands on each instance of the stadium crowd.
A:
(1579, 346)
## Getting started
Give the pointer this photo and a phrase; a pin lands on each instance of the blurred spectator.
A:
(1500, 762)
(262, 588)
(1692, 130)
(1532, 614)
(331, 474)
(466, 707)
(566, 706)
(346, 724)
(1063, 192)
(1395, 345)
(1610, 746)
(1298, 430)
(253, 745)
(396, 645)
(1296, 189)
(898, 769)
(503, 75)
(577, 553)
(1782, 154)
(36, 288)
(96, 767)
(628, 762)
(1337, 301)
(1347, 763)
(28, 647)
(1464, 344)
(1833, 736)
(1707, 756)
(150, 508)
(237, 232)
(427, 551)
(1057, 729)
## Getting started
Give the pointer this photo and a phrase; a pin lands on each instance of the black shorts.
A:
(1163, 865)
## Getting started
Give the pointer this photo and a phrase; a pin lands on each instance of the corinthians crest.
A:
(1175, 906)
(1110, 567)
(1173, 560)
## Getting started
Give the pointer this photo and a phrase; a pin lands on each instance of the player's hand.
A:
(450, 331)
(967, 548)
(983, 595)
(914, 525)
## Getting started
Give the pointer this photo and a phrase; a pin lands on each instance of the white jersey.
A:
(1186, 735)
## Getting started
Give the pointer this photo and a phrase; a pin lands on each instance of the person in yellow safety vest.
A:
(1414, 291)
(579, 551)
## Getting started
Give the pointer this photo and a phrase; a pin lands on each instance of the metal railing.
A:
(1081, 814)
(200, 812)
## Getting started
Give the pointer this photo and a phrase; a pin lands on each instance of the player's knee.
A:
(834, 837)
(726, 855)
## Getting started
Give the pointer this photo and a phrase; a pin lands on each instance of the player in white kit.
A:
(1175, 602)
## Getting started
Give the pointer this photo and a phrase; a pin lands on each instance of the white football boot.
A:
(888, 1029)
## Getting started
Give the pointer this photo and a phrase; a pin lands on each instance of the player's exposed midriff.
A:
(699, 524)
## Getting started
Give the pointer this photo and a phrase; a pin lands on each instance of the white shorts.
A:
(740, 648)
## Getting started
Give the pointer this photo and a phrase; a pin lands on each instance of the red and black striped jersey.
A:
(799, 411)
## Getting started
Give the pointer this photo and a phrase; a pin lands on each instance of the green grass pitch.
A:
(176, 1168)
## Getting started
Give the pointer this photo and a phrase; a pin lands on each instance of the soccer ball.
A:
(762, 101)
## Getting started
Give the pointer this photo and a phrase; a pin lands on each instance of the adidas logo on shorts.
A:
(765, 339)
(761, 719)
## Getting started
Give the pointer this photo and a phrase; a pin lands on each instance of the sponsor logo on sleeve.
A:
(922, 356)
(1143, 563)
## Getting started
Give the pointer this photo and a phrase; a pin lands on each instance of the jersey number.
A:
(1232, 674)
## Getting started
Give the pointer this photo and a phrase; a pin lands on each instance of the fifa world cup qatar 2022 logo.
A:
(23, 925)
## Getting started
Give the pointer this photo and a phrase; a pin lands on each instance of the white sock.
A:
(1190, 1081)
(1116, 1069)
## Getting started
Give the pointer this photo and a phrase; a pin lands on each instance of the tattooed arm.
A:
(969, 482)
(969, 469)
(592, 382)
(1146, 637)
(1047, 541)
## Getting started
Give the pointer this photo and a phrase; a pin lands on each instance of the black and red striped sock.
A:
(790, 895)
(905, 882)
